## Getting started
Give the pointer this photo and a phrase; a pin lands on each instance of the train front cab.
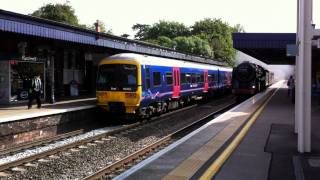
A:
(119, 86)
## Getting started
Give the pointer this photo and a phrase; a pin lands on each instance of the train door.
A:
(219, 80)
(176, 82)
(206, 85)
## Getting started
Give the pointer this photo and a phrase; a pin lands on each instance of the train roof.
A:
(160, 61)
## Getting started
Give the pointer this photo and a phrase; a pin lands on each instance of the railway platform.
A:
(20, 125)
(20, 112)
(254, 140)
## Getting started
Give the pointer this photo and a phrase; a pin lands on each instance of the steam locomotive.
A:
(250, 78)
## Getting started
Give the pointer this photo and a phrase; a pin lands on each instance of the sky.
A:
(120, 15)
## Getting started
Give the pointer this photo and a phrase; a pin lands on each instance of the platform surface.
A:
(14, 113)
(267, 151)
(183, 159)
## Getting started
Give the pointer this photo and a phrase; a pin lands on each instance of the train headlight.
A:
(130, 95)
(102, 95)
(253, 86)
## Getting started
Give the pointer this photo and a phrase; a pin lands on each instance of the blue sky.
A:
(120, 15)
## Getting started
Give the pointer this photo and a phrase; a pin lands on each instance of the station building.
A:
(62, 55)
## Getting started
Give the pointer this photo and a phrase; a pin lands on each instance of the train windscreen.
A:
(117, 77)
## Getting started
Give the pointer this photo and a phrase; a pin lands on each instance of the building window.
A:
(156, 79)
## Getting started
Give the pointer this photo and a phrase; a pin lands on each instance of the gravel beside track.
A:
(79, 162)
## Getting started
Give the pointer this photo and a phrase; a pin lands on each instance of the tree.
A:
(58, 12)
(238, 28)
(125, 35)
(163, 28)
(142, 31)
(219, 36)
(208, 37)
(65, 13)
(168, 29)
(193, 45)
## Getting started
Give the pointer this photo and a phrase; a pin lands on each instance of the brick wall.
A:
(17, 132)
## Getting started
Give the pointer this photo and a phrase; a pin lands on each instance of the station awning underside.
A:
(267, 47)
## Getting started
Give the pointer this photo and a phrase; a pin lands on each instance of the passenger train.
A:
(146, 85)
(250, 78)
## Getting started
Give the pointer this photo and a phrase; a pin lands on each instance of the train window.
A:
(148, 78)
(215, 77)
(201, 78)
(198, 78)
(188, 78)
(193, 78)
(156, 79)
(210, 78)
(169, 78)
(183, 78)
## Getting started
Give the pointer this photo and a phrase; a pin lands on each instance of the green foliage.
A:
(168, 29)
(219, 36)
(167, 42)
(163, 28)
(193, 45)
(57, 12)
(125, 35)
(64, 13)
(208, 37)
(142, 30)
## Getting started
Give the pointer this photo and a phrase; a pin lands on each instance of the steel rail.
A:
(140, 153)
(18, 162)
(38, 142)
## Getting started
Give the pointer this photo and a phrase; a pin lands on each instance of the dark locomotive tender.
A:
(249, 78)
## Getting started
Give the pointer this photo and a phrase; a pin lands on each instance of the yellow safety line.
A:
(216, 165)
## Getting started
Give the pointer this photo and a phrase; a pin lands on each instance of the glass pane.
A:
(118, 77)
(156, 78)
(169, 78)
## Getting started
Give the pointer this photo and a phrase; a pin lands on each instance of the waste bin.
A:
(74, 90)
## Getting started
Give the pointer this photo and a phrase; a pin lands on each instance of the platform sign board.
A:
(292, 50)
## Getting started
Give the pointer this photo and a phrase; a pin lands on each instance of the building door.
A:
(21, 74)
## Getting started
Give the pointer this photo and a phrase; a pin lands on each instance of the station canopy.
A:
(267, 47)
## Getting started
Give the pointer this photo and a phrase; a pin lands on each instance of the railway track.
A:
(138, 156)
(40, 142)
(20, 164)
